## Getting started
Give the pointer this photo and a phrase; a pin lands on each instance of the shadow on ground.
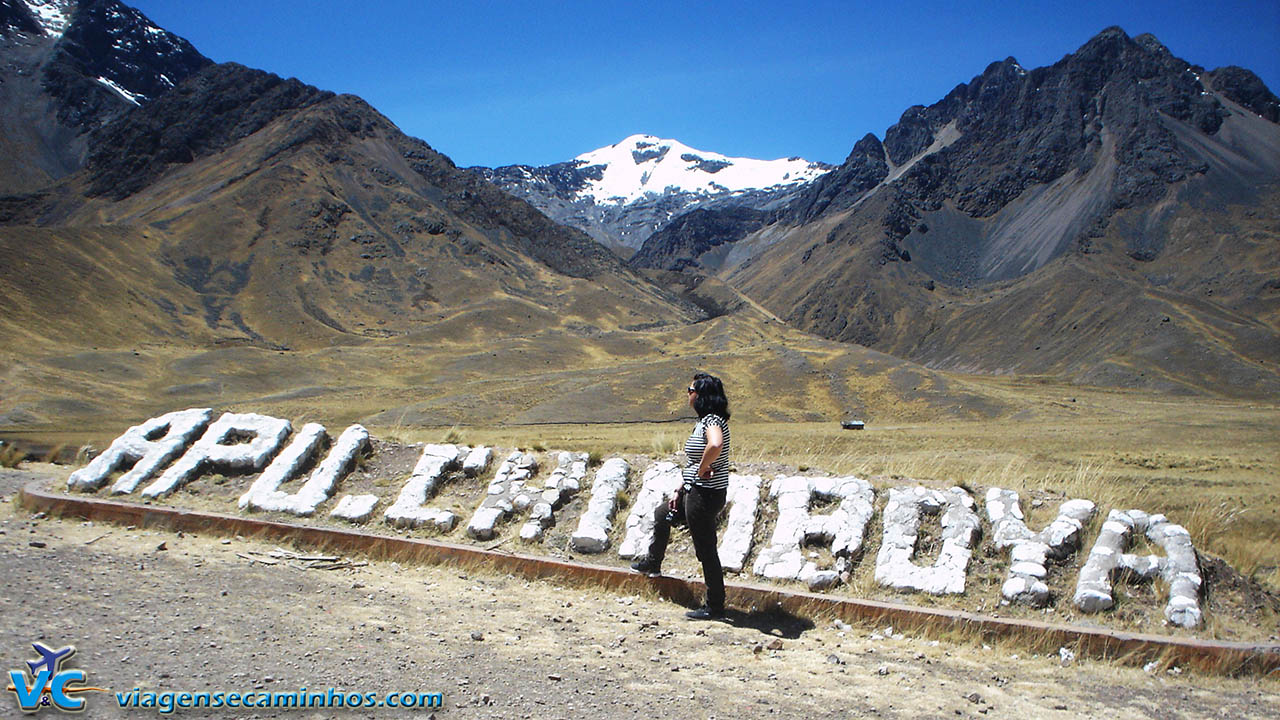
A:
(774, 623)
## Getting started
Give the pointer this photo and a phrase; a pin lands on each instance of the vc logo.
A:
(48, 683)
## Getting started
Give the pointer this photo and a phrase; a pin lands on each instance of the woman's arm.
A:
(715, 442)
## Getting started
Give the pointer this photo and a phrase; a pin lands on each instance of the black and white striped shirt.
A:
(697, 444)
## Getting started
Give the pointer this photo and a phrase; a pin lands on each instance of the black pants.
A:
(701, 507)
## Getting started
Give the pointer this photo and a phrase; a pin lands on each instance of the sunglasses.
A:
(690, 389)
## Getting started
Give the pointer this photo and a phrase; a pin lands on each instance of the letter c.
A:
(59, 694)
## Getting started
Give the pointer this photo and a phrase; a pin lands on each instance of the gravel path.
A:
(162, 611)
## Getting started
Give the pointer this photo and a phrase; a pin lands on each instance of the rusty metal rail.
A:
(1232, 658)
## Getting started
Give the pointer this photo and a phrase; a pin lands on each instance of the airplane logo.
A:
(50, 659)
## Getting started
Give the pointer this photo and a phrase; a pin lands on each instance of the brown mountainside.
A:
(1110, 219)
(282, 215)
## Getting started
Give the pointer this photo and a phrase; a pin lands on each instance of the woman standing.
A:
(702, 496)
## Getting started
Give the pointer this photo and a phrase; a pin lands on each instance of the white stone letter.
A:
(564, 483)
(253, 440)
(1178, 568)
(657, 486)
(149, 447)
(265, 493)
(592, 535)
(1032, 550)
(843, 528)
(743, 501)
(894, 567)
(408, 510)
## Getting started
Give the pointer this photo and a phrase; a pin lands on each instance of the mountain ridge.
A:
(1036, 197)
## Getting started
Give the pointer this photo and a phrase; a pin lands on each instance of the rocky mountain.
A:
(205, 202)
(1111, 218)
(697, 234)
(69, 68)
(625, 192)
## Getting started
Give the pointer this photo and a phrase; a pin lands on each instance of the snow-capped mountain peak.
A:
(623, 193)
(645, 165)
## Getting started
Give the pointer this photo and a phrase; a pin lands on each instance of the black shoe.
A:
(647, 566)
(705, 613)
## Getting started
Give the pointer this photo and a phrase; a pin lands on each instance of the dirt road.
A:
(162, 611)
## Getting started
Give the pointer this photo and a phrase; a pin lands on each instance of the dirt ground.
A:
(162, 611)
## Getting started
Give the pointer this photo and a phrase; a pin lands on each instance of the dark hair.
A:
(711, 399)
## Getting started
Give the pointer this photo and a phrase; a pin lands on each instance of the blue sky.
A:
(497, 83)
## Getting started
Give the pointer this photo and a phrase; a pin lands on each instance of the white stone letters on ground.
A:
(843, 528)
(149, 447)
(564, 483)
(960, 527)
(354, 508)
(265, 493)
(658, 485)
(238, 442)
(743, 501)
(476, 461)
(1031, 551)
(504, 496)
(1178, 568)
(428, 472)
(592, 535)
(190, 444)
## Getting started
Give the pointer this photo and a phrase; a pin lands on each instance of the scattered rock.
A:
(1065, 656)
(477, 636)
(776, 644)
(37, 544)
